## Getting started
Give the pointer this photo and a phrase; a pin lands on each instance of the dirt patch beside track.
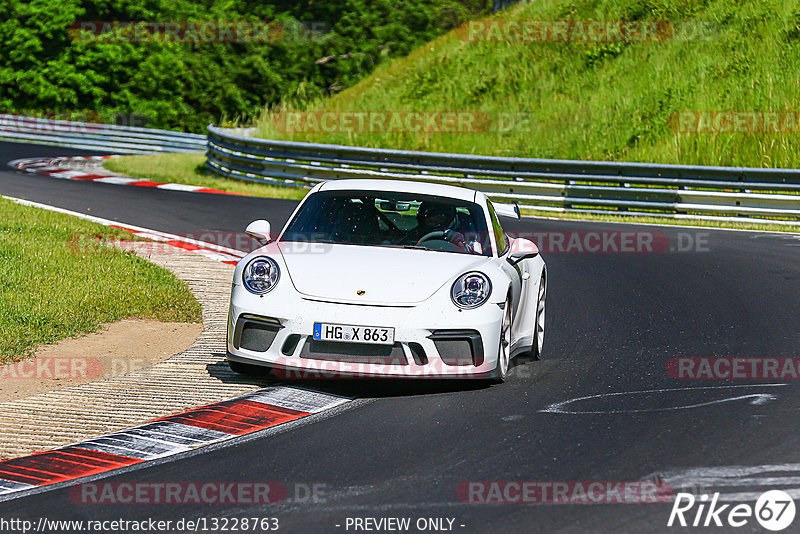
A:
(117, 349)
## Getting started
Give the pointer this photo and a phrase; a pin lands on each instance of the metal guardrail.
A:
(683, 191)
(92, 136)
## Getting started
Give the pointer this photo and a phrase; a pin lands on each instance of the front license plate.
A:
(353, 334)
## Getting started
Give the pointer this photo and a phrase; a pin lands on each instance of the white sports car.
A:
(380, 278)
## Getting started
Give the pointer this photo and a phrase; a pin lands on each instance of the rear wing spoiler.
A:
(507, 210)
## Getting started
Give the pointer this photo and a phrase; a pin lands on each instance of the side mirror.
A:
(507, 210)
(522, 249)
(259, 230)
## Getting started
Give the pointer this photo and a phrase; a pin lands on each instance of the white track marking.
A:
(67, 174)
(179, 187)
(8, 486)
(758, 398)
(116, 180)
(154, 235)
(297, 399)
(52, 167)
(743, 480)
(161, 439)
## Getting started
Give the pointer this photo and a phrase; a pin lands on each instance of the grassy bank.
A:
(613, 101)
(594, 100)
(57, 280)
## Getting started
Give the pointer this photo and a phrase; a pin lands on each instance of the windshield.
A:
(391, 219)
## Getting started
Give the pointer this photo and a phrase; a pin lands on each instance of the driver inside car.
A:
(433, 218)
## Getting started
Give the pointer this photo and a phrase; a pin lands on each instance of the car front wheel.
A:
(504, 350)
(538, 327)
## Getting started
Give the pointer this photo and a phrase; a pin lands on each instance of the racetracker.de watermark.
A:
(77, 121)
(54, 368)
(172, 493)
(399, 121)
(732, 121)
(550, 242)
(565, 31)
(70, 368)
(180, 243)
(197, 492)
(617, 242)
(743, 368)
(531, 31)
(177, 31)
(563, 492)
(370, 367)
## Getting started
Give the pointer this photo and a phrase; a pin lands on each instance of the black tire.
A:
(248, 369)
(535, 352)
(503, 363)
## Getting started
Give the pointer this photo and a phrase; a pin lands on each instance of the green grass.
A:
(58, 280)
(189, 169)
(596, 101)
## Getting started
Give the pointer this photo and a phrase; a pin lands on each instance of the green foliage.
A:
(185, 86)
(595, 100)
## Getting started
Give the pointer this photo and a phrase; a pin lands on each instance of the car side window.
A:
(499, 235)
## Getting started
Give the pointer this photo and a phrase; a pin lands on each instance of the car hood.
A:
(387, 276)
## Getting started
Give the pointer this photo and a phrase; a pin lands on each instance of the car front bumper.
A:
(432, 340)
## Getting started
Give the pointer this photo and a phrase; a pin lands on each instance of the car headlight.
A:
(261, 275)
(471, 290)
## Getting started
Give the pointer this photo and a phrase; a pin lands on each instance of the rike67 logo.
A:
(774, 510)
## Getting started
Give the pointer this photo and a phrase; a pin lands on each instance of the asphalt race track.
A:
(402, 449)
